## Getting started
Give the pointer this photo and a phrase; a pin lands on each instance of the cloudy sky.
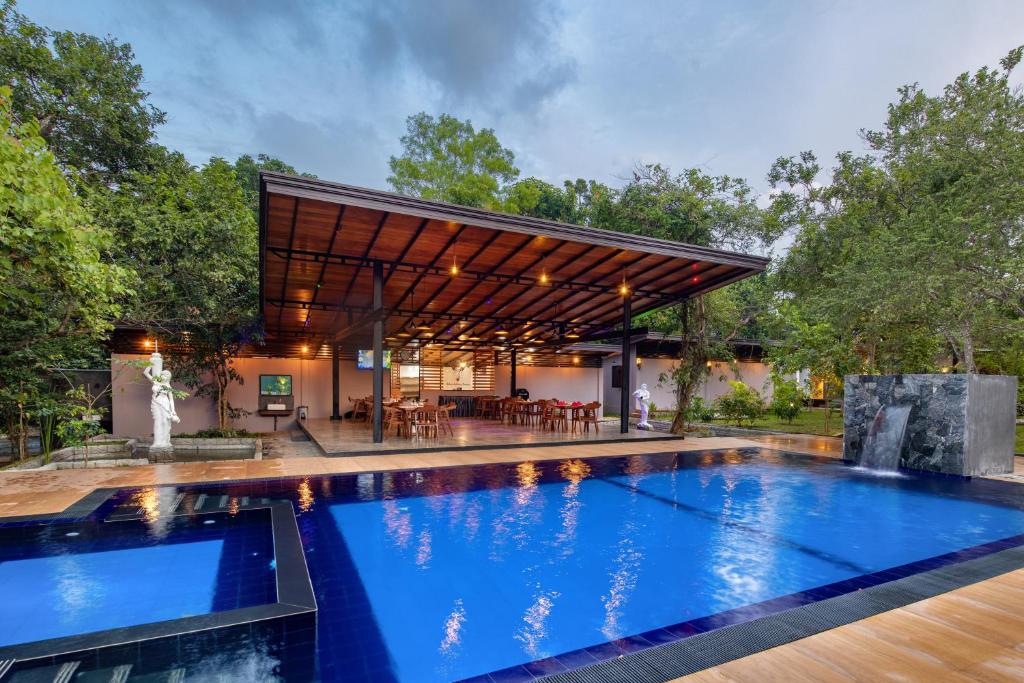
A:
(574, 88)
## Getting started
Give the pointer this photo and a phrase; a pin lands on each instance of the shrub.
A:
(698, 411)
(742, 404)
(787, 398)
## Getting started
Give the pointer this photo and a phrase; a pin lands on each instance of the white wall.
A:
(754, 375)
(311, 386)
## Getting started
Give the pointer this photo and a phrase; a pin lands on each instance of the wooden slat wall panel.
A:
(430, 369)
(483, 370)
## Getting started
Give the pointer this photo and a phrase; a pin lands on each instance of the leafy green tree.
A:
(787, 398)
(818, 346)
(192, 239)
(697, 208)
(85, 92)
(247, 171)
(581, 202)
(445, 159)
(57, 294)
(914, 250)
(742, 404)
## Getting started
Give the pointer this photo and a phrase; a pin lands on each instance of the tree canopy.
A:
(58, 295)
(191, 238)
(915, 250)
(445, 159)
(85, 92)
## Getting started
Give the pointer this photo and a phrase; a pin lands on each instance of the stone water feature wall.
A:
(958, 424)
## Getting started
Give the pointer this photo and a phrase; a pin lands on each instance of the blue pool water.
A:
(466, 582)
(67, 579)
(515, 570)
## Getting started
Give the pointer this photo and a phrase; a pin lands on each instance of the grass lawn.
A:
(812, 421)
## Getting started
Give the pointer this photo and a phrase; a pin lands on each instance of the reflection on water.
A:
(534, 632)
(305, 496)
(453, 628)
(397, 523)
(423, 550)
(75, 589)
(155, 502)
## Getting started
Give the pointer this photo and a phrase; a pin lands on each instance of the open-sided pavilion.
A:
(344, 268)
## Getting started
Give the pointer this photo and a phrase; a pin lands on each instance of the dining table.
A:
(408, 411)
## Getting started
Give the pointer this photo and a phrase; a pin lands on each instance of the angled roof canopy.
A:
(453, 275)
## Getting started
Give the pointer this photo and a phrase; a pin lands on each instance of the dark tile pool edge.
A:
(80, 509)
(295, 609)
(655, 663)
(481, 446)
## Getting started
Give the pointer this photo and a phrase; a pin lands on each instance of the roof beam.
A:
(288, 260)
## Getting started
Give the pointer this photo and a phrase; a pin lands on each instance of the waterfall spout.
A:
(884, 439)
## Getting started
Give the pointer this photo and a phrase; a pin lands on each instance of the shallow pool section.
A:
(59, 580)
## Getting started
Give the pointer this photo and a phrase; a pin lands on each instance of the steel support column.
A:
(627, 323)
(378, 353)
(512, 383)
(335, 382)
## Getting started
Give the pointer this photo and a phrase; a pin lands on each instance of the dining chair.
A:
(585, 416)
(444, 414)
(358, 407)
(426, 421)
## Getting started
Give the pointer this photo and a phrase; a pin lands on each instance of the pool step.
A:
(55, 673)
(69, 673)
(171, 676)
(117, 674)
(203, 504)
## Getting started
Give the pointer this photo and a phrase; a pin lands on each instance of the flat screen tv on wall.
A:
(364, 359)
(275, 385)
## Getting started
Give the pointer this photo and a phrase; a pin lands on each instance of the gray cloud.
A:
(492, 55)
(343, 149)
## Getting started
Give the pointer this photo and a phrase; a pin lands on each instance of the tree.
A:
(85, 92)
(57, 294)
(787, 398)
(697, 208)
(817, 346)
(247, 171)
(915, 250)
(581, 202)
(741, 404)
(445, 159)
(192, 238)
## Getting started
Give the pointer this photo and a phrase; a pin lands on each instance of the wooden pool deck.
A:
(975, 633)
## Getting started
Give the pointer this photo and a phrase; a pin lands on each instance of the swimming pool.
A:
(523, 570)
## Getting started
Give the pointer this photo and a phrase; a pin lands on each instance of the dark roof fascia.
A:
(339, 193)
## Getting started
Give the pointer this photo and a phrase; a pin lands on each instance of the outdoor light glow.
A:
(696, 279)
(623, 289)
(544, 278)
(149, 343)
(305, 348)
(576, 360)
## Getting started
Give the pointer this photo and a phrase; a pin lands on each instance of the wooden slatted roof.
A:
(517, 281)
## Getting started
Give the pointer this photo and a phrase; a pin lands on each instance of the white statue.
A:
(162, 403)
(644, 398)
